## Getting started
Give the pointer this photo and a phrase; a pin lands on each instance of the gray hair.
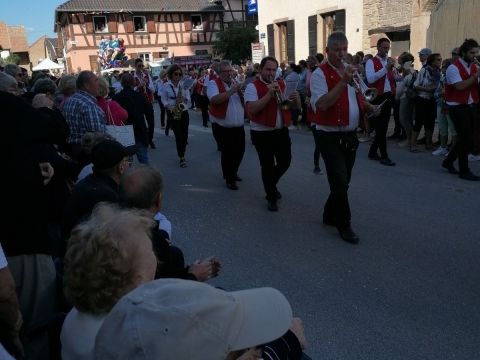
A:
(67, 84)
(337, 37)
(8, 83)
(44, 86)
(139, 186)
(224, 63)
(12, 69)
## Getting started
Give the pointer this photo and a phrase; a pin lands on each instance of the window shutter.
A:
(291, 40)
(271, 40)
(112, 23)
(128, 23)
(339, 24)
(206, 23)
(89, 24)
(156, 55)
(151, 23)
(312, 35)
(187, 23)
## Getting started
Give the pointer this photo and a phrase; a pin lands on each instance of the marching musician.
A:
(175, 100)
(227, 117)
(462, 96)
(269, 121)
(144, 85)
(338, 110)
(380, 75)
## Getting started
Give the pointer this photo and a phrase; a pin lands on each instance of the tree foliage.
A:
(234, 42)
(13, 59)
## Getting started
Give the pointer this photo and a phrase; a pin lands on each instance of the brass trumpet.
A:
(368, 93)
(284, 104)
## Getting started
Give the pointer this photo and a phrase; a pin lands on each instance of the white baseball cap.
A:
(181, 319)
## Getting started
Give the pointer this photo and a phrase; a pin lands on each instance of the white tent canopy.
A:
(47, 64)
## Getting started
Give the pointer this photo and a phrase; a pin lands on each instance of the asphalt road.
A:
(409, 290)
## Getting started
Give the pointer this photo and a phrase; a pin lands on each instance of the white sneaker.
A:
(440, 151)
(472, 157)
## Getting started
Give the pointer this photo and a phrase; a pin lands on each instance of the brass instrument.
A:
(368, 93)
(180, 107)
(285, 104)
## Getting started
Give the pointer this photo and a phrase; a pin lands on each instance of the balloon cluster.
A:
(111, 53)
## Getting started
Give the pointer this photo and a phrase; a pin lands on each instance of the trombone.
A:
(368, 93)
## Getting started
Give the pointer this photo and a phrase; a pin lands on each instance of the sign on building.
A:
(252, 7)
(258, 52)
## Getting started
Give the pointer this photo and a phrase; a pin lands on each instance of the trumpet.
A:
(368, 93)
(284, 104)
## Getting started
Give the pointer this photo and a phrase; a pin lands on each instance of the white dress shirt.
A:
(252, 95)
(319, 88)
(453, 77)
(169, 94)
(235, 113)
(373, 76)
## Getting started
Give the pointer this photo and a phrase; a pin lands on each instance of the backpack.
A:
(411, 92)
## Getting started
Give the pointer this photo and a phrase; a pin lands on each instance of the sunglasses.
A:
(177, 74)
(455, 53)
(139, 65)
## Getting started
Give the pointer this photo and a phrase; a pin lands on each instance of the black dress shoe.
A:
(387, 162)
(152, 145)
(451, 169)
(232, 185)
(469, 176)
(374, 157)
(348, 235)
(278, 195)
(329, 222)
(272, 206)
(238, 178)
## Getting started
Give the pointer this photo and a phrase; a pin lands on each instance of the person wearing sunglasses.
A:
(175, 99)
(144, 85)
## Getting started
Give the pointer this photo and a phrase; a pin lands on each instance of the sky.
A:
(35, 15)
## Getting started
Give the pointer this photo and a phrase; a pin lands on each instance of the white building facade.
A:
(292, 30)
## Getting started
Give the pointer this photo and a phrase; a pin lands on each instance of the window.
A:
(144, 56)
(139, 23)
(100, 24)
(197, 23)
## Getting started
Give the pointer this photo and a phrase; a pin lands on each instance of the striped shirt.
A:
(83, 115)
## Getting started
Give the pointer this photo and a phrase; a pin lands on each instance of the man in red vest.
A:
(338, 110)
(379, 72)
(269, 122)
(227, 117)
(461, 96)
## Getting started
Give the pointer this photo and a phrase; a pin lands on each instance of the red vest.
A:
(461, 96)
(268, 115)
(338, 113)
(380, 83)
(219, 110)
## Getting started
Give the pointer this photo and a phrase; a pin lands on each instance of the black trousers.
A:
(232, 145)
(180, 129)
(462, 117)
(338, 151)
(149, 116)
(162, 112)
(425, 114)
(380, 125)
(316, 152)
(215, 127)
(275, 154)
(202, 102)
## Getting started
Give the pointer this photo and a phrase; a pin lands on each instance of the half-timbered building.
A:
(150, 29)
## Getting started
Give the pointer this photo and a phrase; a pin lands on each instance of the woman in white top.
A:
(175, 99)
(425, 105)
(108, 255)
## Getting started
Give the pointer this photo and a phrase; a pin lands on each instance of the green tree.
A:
(234, 42)
(13, 59)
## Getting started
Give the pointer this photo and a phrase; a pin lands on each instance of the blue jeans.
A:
(142, 153)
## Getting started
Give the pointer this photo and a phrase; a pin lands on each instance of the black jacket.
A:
(136, 106)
